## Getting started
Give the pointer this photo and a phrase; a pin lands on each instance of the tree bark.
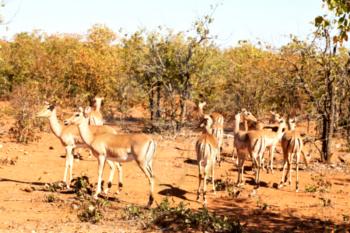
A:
(158, 90)
(151, 104)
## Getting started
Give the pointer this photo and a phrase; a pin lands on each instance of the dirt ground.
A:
(268, 209)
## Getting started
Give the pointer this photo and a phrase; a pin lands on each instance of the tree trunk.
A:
(328, 122)
(158, 115)
(151, 104)
(185, 94)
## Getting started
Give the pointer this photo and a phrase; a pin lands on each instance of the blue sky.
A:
(271, 21)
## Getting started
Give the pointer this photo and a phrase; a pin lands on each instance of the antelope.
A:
(217, 127)
(121, 148)
(292, 145)
(271, 140)
(246, 117)
(247, 142)
(94, 113)
(100, 129)
(206, 149)
(70, 139)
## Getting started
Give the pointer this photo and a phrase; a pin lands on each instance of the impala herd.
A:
(86, 129)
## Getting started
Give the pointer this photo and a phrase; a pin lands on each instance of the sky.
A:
(269, 21)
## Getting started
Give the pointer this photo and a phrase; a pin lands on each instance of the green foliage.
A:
(321, 184)
(311, 188)
(180, 218)
(133, 212)
(50, 198)
(341, 10)
(91, 212)
(82, 187)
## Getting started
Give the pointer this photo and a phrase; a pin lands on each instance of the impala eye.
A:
(77, 114)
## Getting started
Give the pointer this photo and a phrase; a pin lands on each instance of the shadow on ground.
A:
(261, 219)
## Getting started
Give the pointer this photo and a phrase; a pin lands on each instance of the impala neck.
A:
(291, 126)
(98, 104)
(237, 122)
(280, 130)
(85, 131)
(208, 129)
(246, 125)
(55, 124)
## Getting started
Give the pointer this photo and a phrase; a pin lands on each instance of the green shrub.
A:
(90, 213)
(180, 218)
(311, 188)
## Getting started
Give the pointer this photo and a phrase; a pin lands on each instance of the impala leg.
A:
(205, 187)
(297, 172)
(283, 173)
(69, 154)
(71, 161)
(289, 170)
(147, 170)
(240, 178)
(272, 150)
(120, 176)
(111, 175)
(213, 177)
(199, 180)
(101, 164)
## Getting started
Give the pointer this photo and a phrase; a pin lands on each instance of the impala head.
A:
(275, 117)
(207, 122)
(282, 124)
(87, 110)
(201, 106)
(292, 122)
(98, 101)
(248, 116)
(46, 111)
(76, 118)
(238, 117)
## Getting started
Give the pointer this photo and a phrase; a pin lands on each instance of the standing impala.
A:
(70, 138)
(100, 129)
(94, 113)
(206, 149)
(248, 142)
(217, 127)
(120, 148)
(292, 145)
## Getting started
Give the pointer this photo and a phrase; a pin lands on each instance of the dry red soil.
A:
(265, 210)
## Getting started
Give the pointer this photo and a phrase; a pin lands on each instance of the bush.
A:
(181, 218)
(91, 212)
(50, 198)
(82, 187)
(24, 100)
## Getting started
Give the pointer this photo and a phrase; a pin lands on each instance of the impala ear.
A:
(52, 106)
